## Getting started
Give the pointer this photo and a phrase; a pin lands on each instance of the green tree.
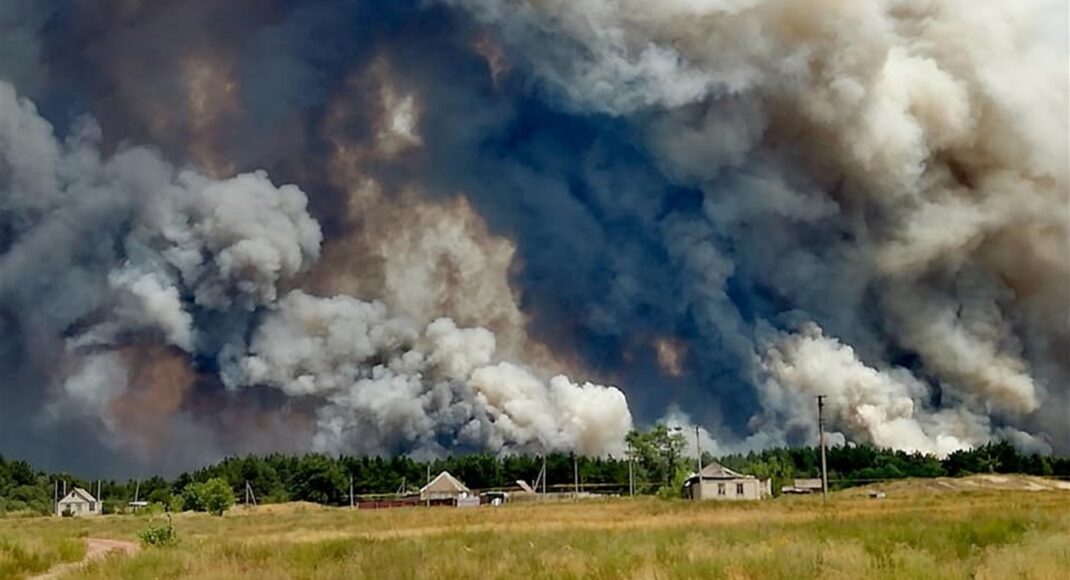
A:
(320, 479)
(213, 496)
(193, 497)
(778, 469)
(657, 453)
(217, 496)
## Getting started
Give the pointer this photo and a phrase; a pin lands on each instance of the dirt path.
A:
(95, 549)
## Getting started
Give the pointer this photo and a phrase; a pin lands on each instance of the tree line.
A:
(660, 466)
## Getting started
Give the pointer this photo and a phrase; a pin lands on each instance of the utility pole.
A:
(631, 471)
(351, 489)
(673, 433)
(250, 495)
(576, 473)
(821, 439)
(698, 453)
(544, 474)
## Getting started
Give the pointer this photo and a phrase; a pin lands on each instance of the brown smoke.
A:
(159, 382)
(423, 258)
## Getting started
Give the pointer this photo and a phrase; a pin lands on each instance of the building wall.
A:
(77, 508)
(731, 489)
(442, 495)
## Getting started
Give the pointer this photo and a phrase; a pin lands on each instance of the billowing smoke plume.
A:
(201, 265)
(393, 385)
(724, 207)
(932, 219)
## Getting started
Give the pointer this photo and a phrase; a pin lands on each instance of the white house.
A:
(78, 502)
(444, 487)
(717, 482)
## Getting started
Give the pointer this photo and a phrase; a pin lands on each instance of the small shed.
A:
(78, 502)
(717, 482)
(444, 487)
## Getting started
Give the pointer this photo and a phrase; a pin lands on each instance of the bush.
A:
(676, 490)
(159, 536)
(160, 496)
(151, 510)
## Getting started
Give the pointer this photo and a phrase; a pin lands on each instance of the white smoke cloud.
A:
(99, 378)
(147, 302)
(884, 406)
(384, 383)
(678, 420)
(233, 241)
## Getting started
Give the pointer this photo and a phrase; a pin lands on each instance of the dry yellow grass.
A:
(987, 534)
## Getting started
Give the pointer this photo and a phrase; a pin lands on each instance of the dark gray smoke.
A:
(722, 207)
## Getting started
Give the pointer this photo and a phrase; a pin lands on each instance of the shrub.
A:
(159, 536)
(111, 507)
(676, 489)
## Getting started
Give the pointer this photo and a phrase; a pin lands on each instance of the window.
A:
(720, 489)
(739, 489)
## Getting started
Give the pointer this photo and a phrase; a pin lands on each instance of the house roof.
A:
(78, 494)
(717, 471)
(445, 483)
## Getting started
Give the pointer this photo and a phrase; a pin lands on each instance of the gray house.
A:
(78, 502)
(717, 482)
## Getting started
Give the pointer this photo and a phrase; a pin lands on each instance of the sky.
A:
(449, 226)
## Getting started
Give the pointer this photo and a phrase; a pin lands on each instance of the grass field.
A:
(910, 534)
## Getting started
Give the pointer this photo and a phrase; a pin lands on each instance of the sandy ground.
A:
(95, 549)
(969, 483)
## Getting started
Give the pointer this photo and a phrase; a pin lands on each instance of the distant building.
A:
(717, 482)
(78, 502)
(445, 488)
(803, 486)
(525, 487)
(494, 498)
